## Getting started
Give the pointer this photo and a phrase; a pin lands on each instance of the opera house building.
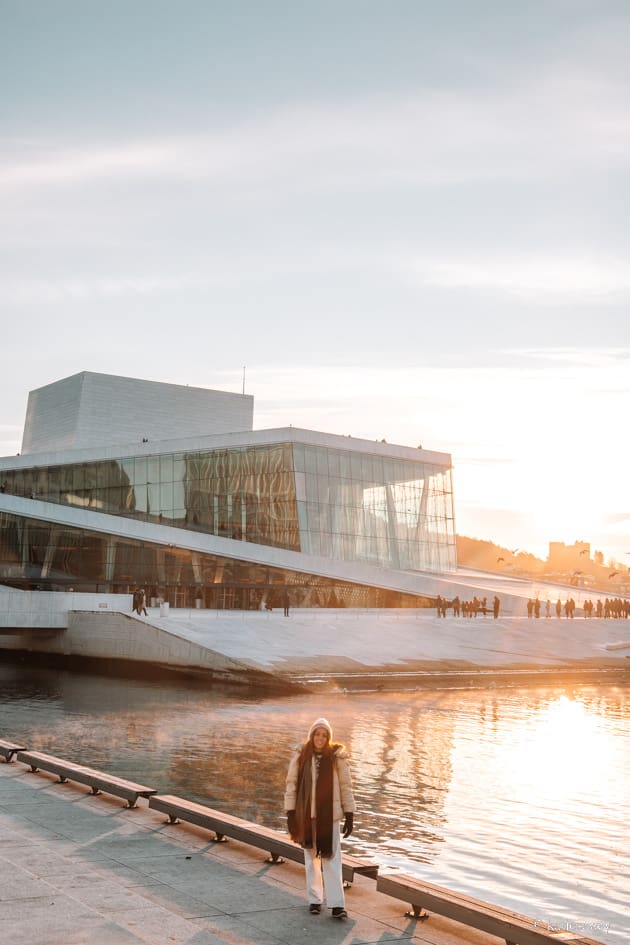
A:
(124, 483)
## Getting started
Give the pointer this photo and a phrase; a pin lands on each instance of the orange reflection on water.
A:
(560, 750)
(527, 790)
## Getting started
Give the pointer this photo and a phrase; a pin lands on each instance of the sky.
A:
(406, 221)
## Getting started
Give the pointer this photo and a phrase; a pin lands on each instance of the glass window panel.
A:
(65, 479)
(166, 468)
(115, 499)
(367, 469)
(336, 490)
(355, 466)
(78, 477)
(140, 498)
(119, 475)
(89, 475)
(166, 496)
(322, 489)
(115, 474)
(334, 465)
(102, 475)
(391, 470)
(153, 469)
(54, 482)
(377, 469)
(126, 471)
(322, 462)
(300, 486)
(344, 466)
(310, 459)
(139, 469)
(41, 482)
(311, 487)
(153, 499)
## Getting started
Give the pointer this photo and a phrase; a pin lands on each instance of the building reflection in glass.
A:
(342, 504)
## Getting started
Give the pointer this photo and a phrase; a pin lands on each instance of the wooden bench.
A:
(354, 864)
(8, 750)
(516, 929)
(278, 845)
(97, 780)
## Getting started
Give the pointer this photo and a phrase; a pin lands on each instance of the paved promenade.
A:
(82, 870)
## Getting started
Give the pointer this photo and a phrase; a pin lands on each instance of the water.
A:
(520, 796)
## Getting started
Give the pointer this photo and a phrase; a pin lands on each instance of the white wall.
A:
(50, 609)
(93, 410)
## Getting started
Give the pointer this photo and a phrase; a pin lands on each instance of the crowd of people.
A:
(611, 607)
(614, 607)
(468, 608)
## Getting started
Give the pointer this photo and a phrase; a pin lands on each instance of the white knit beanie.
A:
(321, 723)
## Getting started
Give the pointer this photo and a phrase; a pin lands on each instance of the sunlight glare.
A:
(563, 749)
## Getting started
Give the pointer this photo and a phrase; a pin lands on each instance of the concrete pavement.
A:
(76, 869)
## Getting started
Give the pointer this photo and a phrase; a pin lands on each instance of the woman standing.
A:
(318, 795)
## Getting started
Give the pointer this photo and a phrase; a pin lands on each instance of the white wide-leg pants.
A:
(323, 874)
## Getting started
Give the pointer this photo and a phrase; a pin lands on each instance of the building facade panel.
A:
(40, 555)
(96, 410)
(393, 513)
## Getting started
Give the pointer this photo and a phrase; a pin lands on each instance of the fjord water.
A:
(517, 796)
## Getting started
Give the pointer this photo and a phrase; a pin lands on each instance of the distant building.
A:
(124, 483)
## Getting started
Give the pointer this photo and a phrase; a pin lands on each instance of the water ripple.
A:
(519, 797)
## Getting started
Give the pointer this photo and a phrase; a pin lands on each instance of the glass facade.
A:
(246, 494)
(375, 509)
(36, 555)
(342, 504)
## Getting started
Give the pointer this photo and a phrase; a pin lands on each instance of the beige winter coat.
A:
(343, 797)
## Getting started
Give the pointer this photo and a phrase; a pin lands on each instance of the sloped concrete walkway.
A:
(346, 641)
(82, 870)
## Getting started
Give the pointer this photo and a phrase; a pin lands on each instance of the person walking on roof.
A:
(318, 796)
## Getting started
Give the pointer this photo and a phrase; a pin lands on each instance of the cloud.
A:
(617, 518)
(579, 281)
(76, 165)
(581, 357)
(532, 126)
(51, 291)
(554, 279)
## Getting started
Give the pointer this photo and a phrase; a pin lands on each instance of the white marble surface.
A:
(378, 638)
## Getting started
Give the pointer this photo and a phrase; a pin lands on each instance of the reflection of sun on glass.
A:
(562, 750)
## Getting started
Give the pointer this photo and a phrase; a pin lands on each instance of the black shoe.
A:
(314, 908)
(339, 913)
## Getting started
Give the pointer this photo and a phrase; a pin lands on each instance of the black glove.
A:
(291, 822)
(348, 824)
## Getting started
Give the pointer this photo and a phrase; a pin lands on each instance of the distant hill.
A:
(609, 580)
(485, 555)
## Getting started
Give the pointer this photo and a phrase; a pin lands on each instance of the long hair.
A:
(307, 750)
